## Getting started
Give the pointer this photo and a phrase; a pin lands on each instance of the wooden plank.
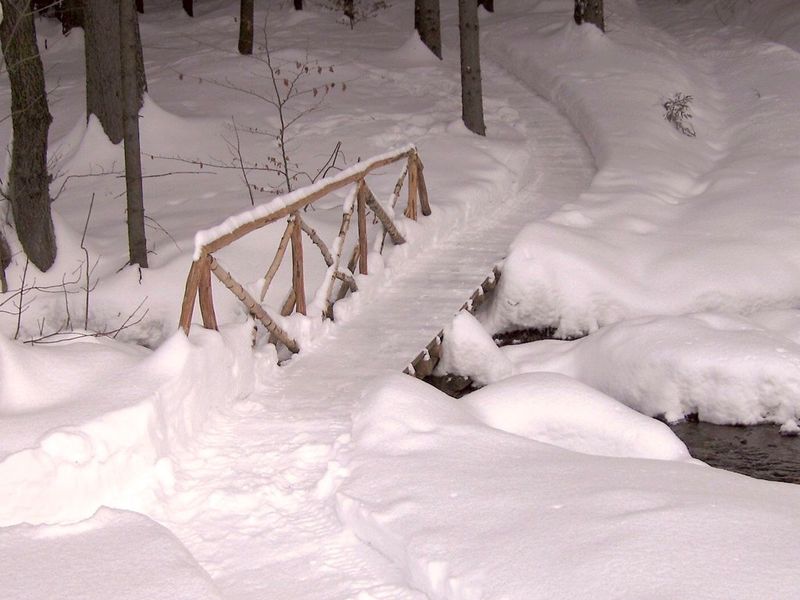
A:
(252, 306)
(277, 259)
(189, 296)
(362, 227)
(300, 203)
(424, 204)
(298, 284)
(413, 187)
(204, 293)
(387, 222)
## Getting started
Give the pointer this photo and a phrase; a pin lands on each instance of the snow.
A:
(468, 512)
(555, 409)
(113, 554)
(144, 464)
(670, 224)
(724, 369)
(113, 417)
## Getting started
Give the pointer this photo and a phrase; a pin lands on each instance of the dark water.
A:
(758, 451)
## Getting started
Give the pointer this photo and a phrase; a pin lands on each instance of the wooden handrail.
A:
(360, 198)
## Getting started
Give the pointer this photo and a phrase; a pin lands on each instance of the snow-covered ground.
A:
(679, 257)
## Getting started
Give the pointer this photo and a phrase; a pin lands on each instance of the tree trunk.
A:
(487, 4)
(140, 6)
(427, 23)
(590, 11)
(5, 260)
(350, 10)
(471, 94)
(129, 52)
(103, 76)
(71, 14)
(28, 178)
(188, 7)
(246, 27)
(298, 4)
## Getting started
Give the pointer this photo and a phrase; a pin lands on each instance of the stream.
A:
(758, 451)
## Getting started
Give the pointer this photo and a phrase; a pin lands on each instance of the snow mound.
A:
(114, 554)
(106, 438)
(558, 410)
(468, 511)
(724, 368)
(469, 350)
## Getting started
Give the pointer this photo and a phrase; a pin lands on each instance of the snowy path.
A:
(257, 487)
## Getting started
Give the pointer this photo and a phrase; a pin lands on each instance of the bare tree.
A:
(246, 27)
(427, 23)
(103, 75)
(29, 180)
(129, 51)
(471, 93)
(590, 11)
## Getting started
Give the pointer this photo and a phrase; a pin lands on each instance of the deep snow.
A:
(681, 255)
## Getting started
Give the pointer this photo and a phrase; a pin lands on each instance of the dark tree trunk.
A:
(140, 6)
(129, 52)
(298, 4)
(350, 10)
(5, 260)
(28, 178)
(487, 4)
(590, 11)
(103, 75)
(70, 13)
(246, 27)
(471, 93)
(427, 23)
(188, 7)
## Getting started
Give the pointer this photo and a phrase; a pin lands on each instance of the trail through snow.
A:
(259, 482)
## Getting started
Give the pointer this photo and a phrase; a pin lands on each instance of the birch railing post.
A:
(278, 258)
(385, 220)
(298, 283)
(204, 293)
(362, 227)
(423, 189)
(189, 297)
(250, 303)
(411, 208)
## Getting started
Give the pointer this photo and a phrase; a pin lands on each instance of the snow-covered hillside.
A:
(145, 464)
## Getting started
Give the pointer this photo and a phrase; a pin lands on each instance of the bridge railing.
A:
(359, 199)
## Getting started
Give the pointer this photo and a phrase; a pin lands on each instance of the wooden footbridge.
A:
(359, 201)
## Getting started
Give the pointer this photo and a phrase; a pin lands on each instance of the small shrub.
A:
(677, 112)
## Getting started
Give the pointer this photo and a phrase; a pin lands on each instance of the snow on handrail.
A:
(198, 282)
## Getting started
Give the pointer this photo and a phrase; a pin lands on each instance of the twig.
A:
(86, 254)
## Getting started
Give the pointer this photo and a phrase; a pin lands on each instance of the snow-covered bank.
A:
(724, 369)
(471, 512)
(113, 555)
(98, 423)
(671, 224)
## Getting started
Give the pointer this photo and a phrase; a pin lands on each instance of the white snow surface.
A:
(114, 554)
(470, 512)
(262, 475)
(671, 224)
(724, 369)
(554, 409)
(107, 419)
